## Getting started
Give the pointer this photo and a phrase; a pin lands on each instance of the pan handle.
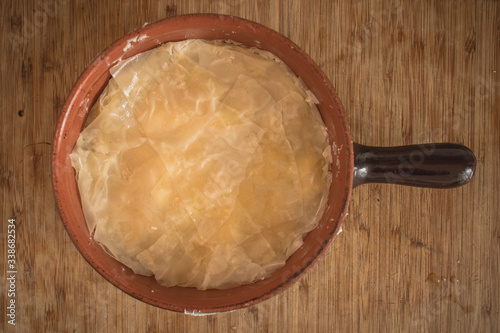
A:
(441, 165)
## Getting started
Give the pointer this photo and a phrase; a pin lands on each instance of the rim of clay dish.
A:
(88, 88)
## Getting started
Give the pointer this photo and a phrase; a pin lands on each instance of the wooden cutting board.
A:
(408, 259)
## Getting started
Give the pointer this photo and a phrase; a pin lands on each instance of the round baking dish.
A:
(432, 165)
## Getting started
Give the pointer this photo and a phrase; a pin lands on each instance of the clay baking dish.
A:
(432, 165)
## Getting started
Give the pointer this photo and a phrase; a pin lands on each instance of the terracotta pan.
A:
(431, 165)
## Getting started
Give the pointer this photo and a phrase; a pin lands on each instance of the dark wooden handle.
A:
(442, 165)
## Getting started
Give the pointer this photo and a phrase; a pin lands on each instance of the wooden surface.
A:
(409, 259)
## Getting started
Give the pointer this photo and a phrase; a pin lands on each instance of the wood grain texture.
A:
(407, 72)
